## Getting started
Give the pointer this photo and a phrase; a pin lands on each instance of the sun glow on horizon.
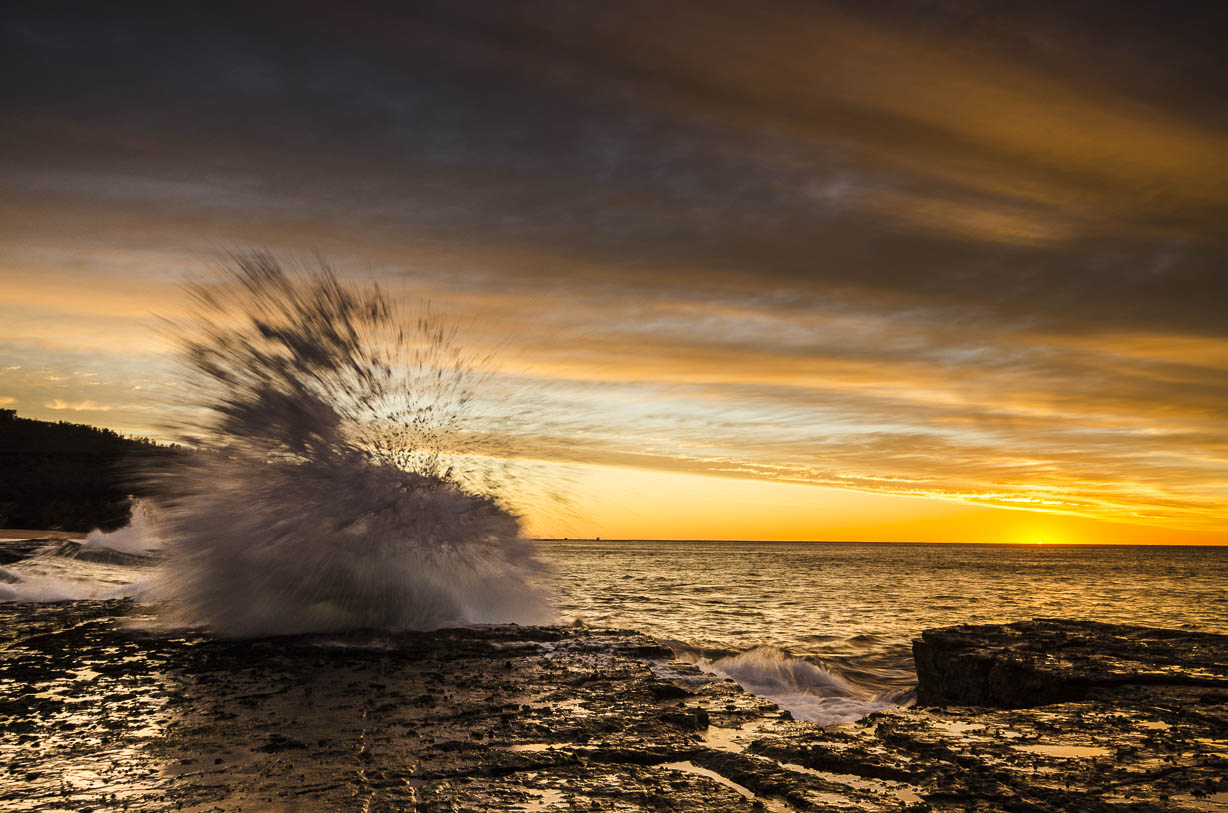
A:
(614, 502)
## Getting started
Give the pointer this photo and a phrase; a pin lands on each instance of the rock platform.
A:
(99, 712)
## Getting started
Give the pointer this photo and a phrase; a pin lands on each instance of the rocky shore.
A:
(99, 712)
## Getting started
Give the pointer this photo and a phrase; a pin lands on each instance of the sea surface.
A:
(825, 628)
(822, 628)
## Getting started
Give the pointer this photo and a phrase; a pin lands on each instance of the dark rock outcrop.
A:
(1047, 660)
(97, 714)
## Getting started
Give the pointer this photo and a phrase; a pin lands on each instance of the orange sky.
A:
(778, 272)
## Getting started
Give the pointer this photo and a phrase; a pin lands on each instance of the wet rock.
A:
(661, 690)
(1033, 663)
(96, 712)
(1043, 715)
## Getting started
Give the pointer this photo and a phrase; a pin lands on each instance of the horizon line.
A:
(884, 542)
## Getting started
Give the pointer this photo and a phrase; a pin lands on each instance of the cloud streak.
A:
(76, 406)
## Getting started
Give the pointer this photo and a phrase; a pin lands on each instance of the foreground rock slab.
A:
(1045, 715)
(1053, 660)
(96, 713)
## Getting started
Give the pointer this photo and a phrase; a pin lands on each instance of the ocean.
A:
(825, 628)
(822, 628)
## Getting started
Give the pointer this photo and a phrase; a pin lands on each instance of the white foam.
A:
(807, 690)
(138, 538)
(47, 576)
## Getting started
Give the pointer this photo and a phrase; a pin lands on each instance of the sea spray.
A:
(345, 467)
(812, 691)
(138, 538)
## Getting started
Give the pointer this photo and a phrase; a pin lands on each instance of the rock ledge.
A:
(1052, 660)
(98, 714)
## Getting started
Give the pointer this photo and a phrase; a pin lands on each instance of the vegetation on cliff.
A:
(69, 476)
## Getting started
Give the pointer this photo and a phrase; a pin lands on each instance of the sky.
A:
(911, 271)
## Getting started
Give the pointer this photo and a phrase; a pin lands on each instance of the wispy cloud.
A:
(77, 406)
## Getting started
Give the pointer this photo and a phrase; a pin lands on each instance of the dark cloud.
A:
(760, 144)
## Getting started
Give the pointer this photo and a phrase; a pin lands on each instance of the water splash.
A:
(345, 475)
(138, 538)
(809, 691)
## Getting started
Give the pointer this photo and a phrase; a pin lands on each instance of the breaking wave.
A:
(345, 471)
(64, 570)
(104, 565)
(807, 690)
(138, 538)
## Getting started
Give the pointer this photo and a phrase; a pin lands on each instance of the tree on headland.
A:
(68, 476)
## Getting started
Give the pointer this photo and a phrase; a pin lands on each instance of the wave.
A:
(55, 572)
(808, 691)
(138, 538)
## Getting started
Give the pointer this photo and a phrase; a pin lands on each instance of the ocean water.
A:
(823, 629)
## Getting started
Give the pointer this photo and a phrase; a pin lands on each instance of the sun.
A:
(1037, 533)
